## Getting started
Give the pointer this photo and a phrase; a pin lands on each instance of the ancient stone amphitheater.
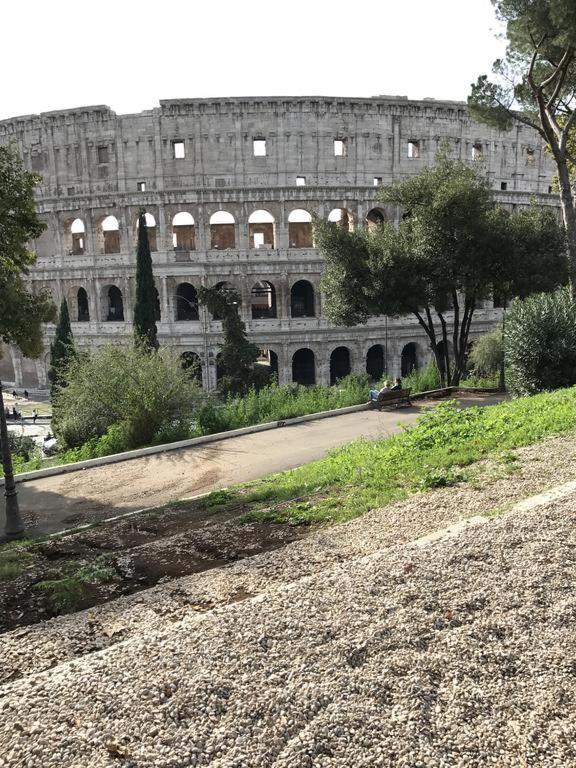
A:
(229, 185)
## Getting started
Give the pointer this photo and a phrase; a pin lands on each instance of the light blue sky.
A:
(65, 53)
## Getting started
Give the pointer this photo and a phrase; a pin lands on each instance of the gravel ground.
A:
(36, 648)
(459, 653)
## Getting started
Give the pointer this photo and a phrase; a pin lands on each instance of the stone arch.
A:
(222, 231)
(186, 302)
(375, 217)
(408, 359)
(190, 362)
(269, 358)
(76, 237)
(263, 300)
(109, 234)
(343, 217)
(183, 232)
(302, 299)
(225, 284)
(152, 230)
(82, 306)
(300, 233)
(340, 365)
(375, 362)
(112, 304)
(304, 367)
(261, 229)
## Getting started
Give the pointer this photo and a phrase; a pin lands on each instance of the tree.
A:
(536, 85)
(451, 250)
(61, 351)
(145, 329)
(487, 353)
(238, 356)
(21, 311)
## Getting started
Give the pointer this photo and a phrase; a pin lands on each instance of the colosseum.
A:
(228, 185)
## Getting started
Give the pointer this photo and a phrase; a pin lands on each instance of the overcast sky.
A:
(57, 54)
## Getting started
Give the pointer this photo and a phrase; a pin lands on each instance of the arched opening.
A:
(442, 355)
(375, 218)
(229, 286)
(111, 234)
(183, 235)
(190, 363)
(339, 364)
(219, 368)
(409, 359)
(342, 217)
(78, 232)
(263, 300)
(157, 312)
(222, 231)
(261, 229)
(375, 362)
(269, 360)
(151, 228)
(300, 229)
(114, 304)
(186, 302)
(82, 306)
(303, 367)
(302, 299)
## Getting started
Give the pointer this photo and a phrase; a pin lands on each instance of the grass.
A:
(14, 559)
(436, 452)
(68, 591)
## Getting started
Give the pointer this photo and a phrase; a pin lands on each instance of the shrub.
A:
(141, 392)
(486, 355)
(21, 446)
(423, 380)
(540, 343)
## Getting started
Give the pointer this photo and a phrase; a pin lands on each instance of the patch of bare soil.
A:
(64, 575)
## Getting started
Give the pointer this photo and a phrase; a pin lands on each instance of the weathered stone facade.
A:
(203, 157)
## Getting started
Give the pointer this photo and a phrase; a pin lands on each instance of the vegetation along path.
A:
(55, 503)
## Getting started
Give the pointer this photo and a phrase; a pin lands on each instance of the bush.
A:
(21, 446)
(140, 392)
(486, 355)
(540, 343)
(423, 380)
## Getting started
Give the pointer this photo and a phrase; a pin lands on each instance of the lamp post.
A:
(14, 525)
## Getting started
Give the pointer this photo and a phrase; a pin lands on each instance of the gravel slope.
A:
(459, 653)
(43, 646)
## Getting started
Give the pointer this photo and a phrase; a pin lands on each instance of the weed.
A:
(66, 592)
(14, 559)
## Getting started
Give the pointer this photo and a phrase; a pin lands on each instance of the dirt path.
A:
(55, 503)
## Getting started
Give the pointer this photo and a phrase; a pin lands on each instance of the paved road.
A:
(55, 503)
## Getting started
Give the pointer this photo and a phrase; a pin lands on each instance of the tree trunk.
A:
(569, 217)
(14, 526)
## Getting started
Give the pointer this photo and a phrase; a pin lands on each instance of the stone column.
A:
(165, 308)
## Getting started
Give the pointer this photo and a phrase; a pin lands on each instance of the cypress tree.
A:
(145, 330)
(61, 351)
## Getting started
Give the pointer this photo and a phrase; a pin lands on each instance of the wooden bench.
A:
(393, 397)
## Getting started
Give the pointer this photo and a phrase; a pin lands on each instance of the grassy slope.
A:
(364, 475)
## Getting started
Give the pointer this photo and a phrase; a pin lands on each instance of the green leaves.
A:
(145, 330)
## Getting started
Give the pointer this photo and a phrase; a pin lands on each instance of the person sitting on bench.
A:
(374, 393)
(397, 385)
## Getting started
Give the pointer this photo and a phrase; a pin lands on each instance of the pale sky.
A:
(58, 54)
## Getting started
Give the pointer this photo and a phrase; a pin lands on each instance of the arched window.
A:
(82, 306)
(304, 367)
(269, 359)
(151, 227)
(374, 218)
(409, 359)
(222, 231)
(339, 364)
(78, 232)
(227, 286)
(261, 229)
(300, 229)
(342, 217)
(190, 363)
(302, 299)
(375, 362)
(263, 299)
(111, 234)
(186, 302)
(183, 236)
(114, 304)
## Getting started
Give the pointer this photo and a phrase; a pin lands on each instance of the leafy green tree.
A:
(238, 356)
(535, 85)
(21, 311)
(145, 329)
(451, 250)
(141, 390)
(487, 353)
(61, 350)
(540, 341)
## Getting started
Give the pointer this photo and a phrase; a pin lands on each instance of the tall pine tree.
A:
(145, 330)
(61, 351)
